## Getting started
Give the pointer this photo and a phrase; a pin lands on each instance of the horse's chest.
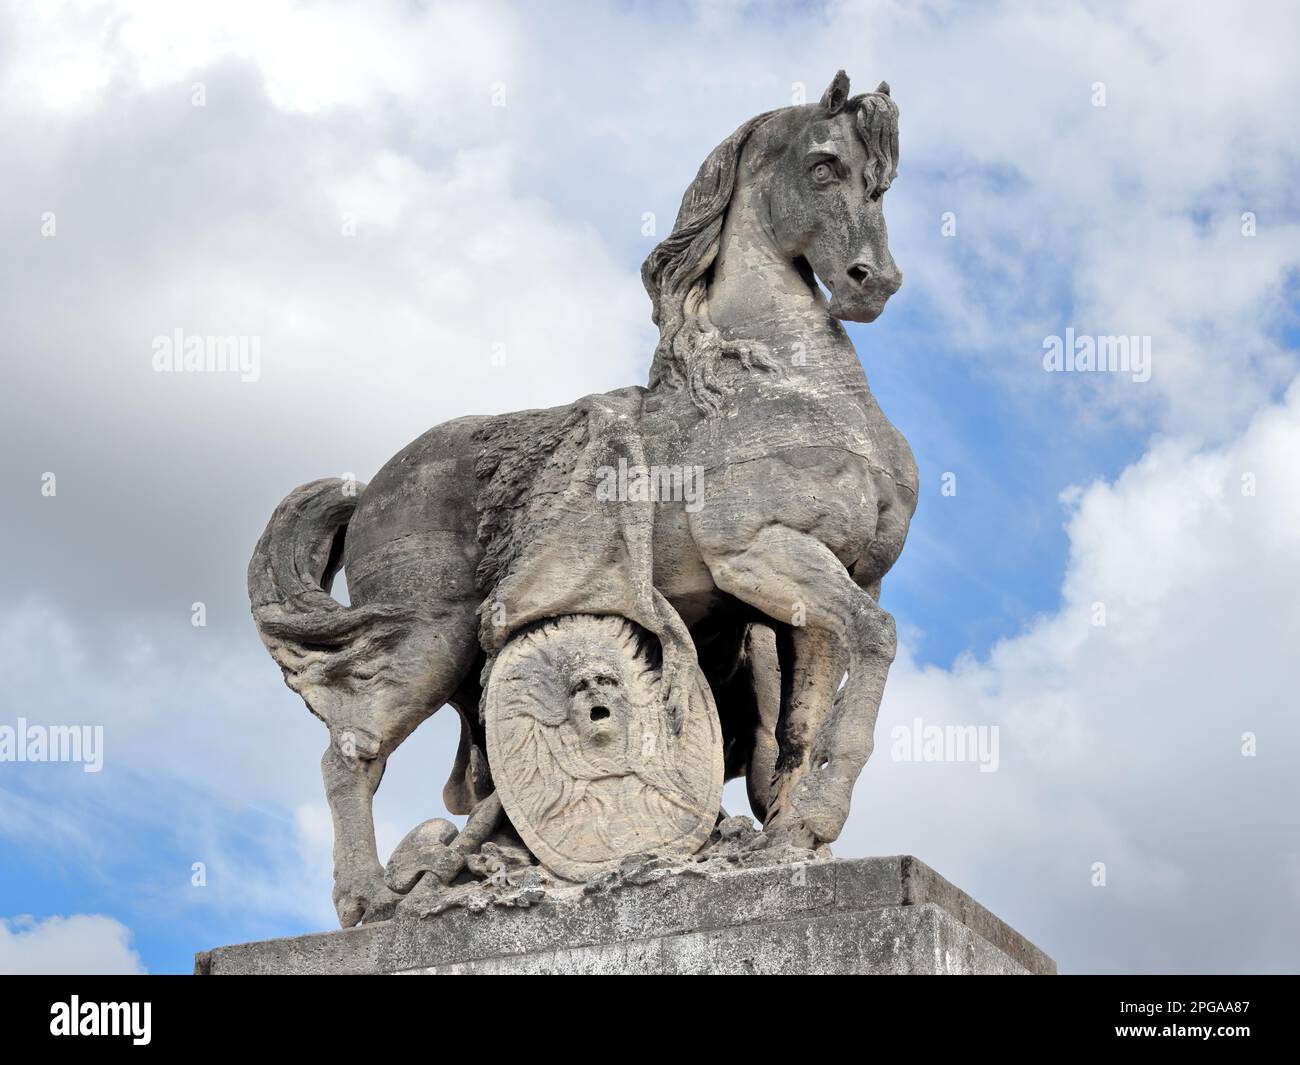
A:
(821, 461)
(776, 422)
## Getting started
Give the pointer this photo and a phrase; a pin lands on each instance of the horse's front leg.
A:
(791, 575)
(814, 665)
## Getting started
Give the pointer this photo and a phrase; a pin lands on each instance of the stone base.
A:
(866, 916)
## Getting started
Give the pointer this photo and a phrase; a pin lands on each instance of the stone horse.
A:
(808, 492)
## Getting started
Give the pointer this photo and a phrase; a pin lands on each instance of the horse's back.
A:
(414, 533)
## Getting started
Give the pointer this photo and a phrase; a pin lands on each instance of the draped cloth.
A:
(553, 542)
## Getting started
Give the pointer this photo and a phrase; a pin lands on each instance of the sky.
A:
(425, 210)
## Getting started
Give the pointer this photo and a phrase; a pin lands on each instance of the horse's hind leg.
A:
(372, 717)
(794, 578)
(350, 783)
(469, 782)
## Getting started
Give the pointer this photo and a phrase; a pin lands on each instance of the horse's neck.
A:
(756, 293)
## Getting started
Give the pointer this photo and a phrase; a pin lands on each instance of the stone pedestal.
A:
(867, 916)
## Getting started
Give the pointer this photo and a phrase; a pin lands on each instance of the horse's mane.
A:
(676, 274)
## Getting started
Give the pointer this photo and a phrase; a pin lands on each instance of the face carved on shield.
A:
(599, 709)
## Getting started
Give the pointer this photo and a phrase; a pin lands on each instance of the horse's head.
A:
(828, 165)
(813, 176)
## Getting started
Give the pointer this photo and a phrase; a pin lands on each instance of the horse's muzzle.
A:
(865, 290)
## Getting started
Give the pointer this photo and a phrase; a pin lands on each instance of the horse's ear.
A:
(835, 97)
(883, 88)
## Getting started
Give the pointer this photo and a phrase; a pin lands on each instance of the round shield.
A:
(582, 754)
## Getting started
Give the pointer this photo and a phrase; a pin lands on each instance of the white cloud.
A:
(69, 53)
(81, 944)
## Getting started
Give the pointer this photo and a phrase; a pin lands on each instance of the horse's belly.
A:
(679, 569)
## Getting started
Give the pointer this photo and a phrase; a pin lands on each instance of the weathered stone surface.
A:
(742, 510)
(870, 915)
(898, 941)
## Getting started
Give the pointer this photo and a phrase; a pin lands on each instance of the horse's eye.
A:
(823, 172)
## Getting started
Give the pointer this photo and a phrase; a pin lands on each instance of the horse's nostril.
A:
(599, 713)
(859, 273)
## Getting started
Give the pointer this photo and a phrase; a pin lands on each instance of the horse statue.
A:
(753, 604)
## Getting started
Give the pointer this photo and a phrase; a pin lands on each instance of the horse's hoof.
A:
(786, 829)
(361, 901)
(798, 836)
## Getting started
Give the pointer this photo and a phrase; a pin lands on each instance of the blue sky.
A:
(521, 225)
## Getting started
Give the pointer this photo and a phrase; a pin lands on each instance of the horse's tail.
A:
(300, 552)
(314, 638)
